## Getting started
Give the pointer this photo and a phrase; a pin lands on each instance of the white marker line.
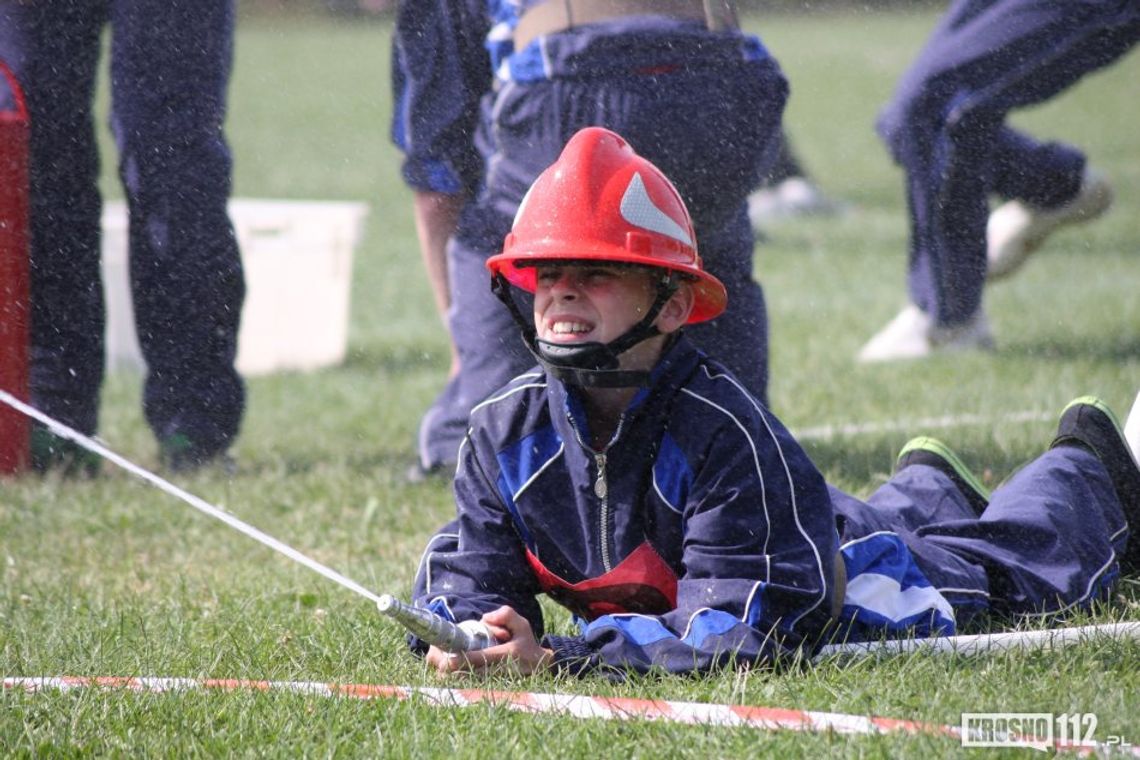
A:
(827, 432)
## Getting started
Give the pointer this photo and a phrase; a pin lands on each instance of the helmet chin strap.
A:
(590, 364)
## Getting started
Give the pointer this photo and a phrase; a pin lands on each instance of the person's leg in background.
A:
(714, 134)
(945, 126)
(1049, 185)
(170, 69)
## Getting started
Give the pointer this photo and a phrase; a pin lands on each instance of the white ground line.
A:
(918, 426)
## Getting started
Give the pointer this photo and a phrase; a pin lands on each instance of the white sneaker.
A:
(1015, 229)
(912, 335)
(793, 197)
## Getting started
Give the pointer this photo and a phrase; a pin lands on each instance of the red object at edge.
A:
(14, 301)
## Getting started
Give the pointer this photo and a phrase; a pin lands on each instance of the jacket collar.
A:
(672, 371)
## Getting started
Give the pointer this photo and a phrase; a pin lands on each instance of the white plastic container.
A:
(297, 257)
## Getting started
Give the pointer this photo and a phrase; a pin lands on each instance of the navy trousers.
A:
(1048, 541)
(170, 66)
(711, 131)
(946, 127)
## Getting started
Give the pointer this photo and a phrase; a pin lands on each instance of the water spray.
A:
(428, 626)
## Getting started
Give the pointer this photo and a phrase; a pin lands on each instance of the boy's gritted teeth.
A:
(568, 329)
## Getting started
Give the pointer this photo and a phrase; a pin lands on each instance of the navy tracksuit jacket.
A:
(703, 532)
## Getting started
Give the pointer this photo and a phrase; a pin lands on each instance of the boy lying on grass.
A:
(634, 481)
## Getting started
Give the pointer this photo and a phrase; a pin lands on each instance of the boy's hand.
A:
(518, 651)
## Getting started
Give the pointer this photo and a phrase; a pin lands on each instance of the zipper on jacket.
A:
(602, 491)
(601, 488)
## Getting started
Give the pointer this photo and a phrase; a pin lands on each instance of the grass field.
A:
(112, 577)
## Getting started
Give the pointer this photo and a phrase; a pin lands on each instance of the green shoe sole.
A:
(933, 453)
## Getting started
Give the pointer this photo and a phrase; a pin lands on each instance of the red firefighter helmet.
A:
(601, 201)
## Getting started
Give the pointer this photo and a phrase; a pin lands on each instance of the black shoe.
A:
(180, 454)
(934, 453)
(52, 452)
(1088, 422)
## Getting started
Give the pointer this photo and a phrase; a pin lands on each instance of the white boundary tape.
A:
(578, 706)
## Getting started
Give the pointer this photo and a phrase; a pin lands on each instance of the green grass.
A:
(112, 577)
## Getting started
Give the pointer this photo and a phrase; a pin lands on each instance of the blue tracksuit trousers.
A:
(1049, 539)
(946, 127)
(170, 65)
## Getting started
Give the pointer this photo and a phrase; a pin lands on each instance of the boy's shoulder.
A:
(528, 383)
(712, 386)
(714, 401)
(513, 406)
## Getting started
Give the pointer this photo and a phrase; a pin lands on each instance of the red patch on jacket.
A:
(642, 583)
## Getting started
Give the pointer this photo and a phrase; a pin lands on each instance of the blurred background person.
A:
(170, 64)
(946, 127)
(487, 94)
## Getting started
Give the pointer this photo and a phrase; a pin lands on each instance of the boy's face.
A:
(598, 302)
